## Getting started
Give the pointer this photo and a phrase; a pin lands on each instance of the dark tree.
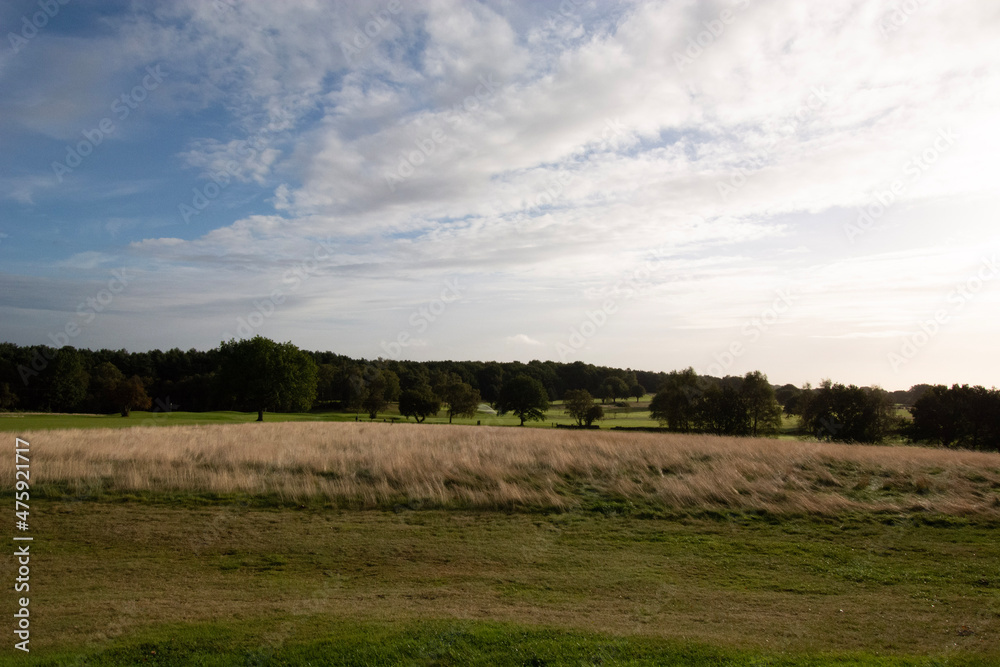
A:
(326, 376)
(419, 403)
(763, 410)
(594, 413)
(461, 398)
(676, 403)
(525, 398)
(961, 416)
(104, 380)
(789, 396)
(722, 410)
(131, 395)
(849, 413)
(578, 403)
(262, 375)
(64, 383)
(637, 391)
(8, 399)
(615, 388)
(381, 388)
(491, 382)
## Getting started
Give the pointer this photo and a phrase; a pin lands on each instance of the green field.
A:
(169, 577)
(637, 414)
(126, 583)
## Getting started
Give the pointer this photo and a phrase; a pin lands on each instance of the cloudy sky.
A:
(803, 188)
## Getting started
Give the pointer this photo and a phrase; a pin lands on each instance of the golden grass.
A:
(380, 465)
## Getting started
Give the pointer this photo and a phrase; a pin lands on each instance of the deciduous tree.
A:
(525, 398)
(578, 403)
(260, 374)
(131, 395)
(419, 403)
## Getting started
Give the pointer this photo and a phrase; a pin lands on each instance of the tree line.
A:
(260, 375)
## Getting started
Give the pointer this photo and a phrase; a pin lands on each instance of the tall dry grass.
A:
(379, 465)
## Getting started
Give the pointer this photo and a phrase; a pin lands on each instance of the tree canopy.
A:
(419, 403)
(525, 398)
(45, 379)
(260, 375)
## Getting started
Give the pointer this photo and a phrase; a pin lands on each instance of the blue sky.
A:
(807, 189)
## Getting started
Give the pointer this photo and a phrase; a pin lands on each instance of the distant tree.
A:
(392, 385)
(849, 413)
(355, 389)
(960, 416)
(64, 383)
(524, 397)
(463, 401)
(909, 397)
(615, 388)
(676, 403)
(789, 397)
(326, 377)
(578, 404)
(413, 375)
(594, 413)
(419, 403)
(260, 374)
(637, 391)
(104, 380)
(381, 388)
(491, 382)
(131, 395)
(722, 410)
(763, 409)
(8, 399)
(461, 398)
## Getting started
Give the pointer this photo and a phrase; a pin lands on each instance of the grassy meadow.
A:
(380, 544)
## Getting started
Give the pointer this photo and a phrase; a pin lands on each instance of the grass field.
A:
(636, 414)
(381, 544)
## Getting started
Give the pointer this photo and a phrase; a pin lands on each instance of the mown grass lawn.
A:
(626, 414)
(556, 414)
(125, 582)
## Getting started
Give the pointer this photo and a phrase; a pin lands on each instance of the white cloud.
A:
(540, 159)
(523, 339)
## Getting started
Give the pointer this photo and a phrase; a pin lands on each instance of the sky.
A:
(805, 189)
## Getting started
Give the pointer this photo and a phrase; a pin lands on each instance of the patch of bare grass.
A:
(379, 465)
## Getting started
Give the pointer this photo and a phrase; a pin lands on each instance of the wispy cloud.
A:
(536, 155)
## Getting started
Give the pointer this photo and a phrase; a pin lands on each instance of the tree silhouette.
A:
(131, 395)
(419, 403)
